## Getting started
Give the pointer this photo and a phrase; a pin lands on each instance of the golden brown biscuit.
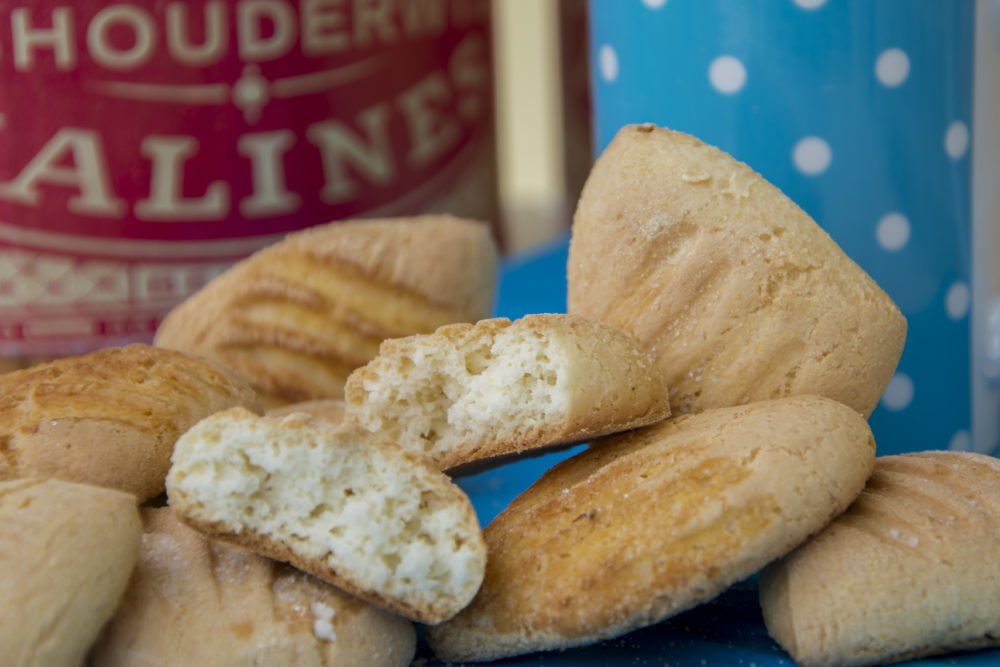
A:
(910, 569)
(359, 512)
(196, 601)
(735, 290)
(66, 553)
(297, 317)
(111, 417)
(651, 522)
(467, 393)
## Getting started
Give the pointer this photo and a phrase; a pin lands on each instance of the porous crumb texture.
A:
(194, 600)
(909, 570)
(111, 417)
(467, 392)
(381, 521)
(297, 317)
(648, 523)
(738, 293)
(433, 394)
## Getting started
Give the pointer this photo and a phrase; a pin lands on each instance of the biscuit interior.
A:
(467, 393)
(360, 513)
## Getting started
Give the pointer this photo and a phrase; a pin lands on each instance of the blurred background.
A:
(544, 133)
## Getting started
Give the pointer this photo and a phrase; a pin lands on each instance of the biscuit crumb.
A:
(323, 621)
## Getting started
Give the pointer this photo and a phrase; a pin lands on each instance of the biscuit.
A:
(909, 570)
(646, 524)
(468, 393)
(111, 417)
(297, 317)
(197, 601)
(738, 293)
(354, 510)
(66, 553)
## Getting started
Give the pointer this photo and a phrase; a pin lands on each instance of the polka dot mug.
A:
(882, 120)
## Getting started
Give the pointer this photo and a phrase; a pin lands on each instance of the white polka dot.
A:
(957, 300)
(956, 140)
(810, 4)
(812, 155)
(654, 4)
(609, 63)
(991, 366)
(893, 231)
(892, 67)
(961, 442)
(899, 394)
(727, 74)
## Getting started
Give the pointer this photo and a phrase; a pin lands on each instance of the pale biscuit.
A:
(66, 553)
(328, 409)
(651, 522)
(111, 417)
(468, 393)
(297, 317)
(738, 293)
(910, 569)
(348, 507)
(197, 601)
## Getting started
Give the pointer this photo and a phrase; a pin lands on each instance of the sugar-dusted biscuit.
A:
(472, 392)
(738, 293)
(355, 510)
(197, 601)
(297, 317)
(910, 569)
(648, 523)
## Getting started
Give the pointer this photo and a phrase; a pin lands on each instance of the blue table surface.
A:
(728, 630)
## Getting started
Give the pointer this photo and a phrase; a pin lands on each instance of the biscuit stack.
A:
(721, 356)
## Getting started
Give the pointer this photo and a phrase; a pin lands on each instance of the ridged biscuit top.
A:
(198, 601)
(739, 294)
(109, 418)
(915, 503)
(295, 318)
(651, 189)
(709, 459)
(424, 254)
(148, 388)
(909, 570)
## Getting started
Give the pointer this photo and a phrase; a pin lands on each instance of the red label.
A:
(146, 145)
